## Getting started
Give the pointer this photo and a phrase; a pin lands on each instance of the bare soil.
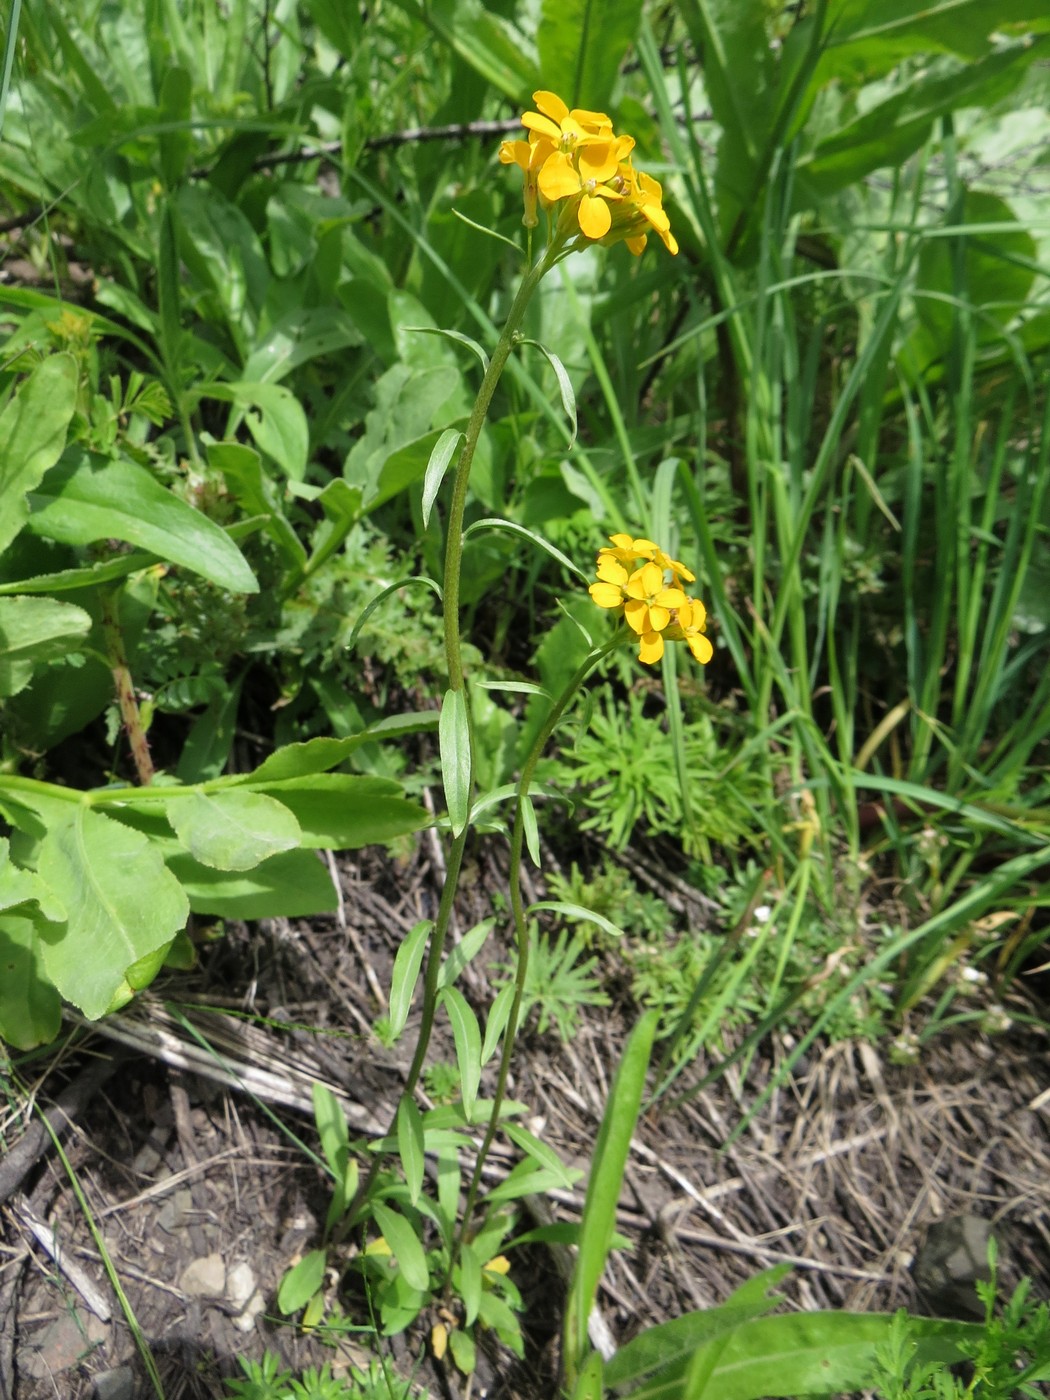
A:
(203, 1195)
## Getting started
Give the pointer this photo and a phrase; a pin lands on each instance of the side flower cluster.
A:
(637, 579)
(574, 159)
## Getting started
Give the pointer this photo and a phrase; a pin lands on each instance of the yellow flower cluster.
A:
(636, 578)
(575, 159)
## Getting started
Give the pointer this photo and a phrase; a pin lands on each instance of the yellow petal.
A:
(622, 541)
(636, 613)
(597, 161)
(658, 617)
(606, 595)
(558, 179)
(646, 581)
(701, 648)
(438, 1340)
(650, 648)
(543, 125)
(515, 153)
(636, 245)
(610, 570)
(594, 215)
(669, 597)
(551, 104)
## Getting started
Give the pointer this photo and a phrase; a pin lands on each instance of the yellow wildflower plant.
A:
(582, 172)
(643, 584)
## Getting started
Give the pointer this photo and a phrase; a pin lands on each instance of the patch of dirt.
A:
(204, 1197)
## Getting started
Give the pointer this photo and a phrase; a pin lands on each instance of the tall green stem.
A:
(517, 905)
(457, 507)
(454, 662)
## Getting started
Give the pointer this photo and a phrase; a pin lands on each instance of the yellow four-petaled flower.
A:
(638, 580)
(574, 162)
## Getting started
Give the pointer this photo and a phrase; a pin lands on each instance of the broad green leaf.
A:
(603, 1189)
(454, 743)
(89, 498)
(298, 337)
(122, 905)
(404, 1245)
(436, 469)
(343, 811)
(407, 962)
(464, 1350)
(34, 630)
(275, 418)
(19, 885)
(301, 1282)
(680, 1337)
(32, 435)
(233, 829)
(582, 44)
(482, 38)
(467, 1035)
(257, 494)
(888, 133)
(734, 41)
(30, 1007)
(798, 1354)
(410, 1145)
(294, 884)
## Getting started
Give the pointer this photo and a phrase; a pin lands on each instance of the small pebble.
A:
(205, 1277)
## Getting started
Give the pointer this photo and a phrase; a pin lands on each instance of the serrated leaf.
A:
(454, 744)
(122, 905)
(233, 829)
(88, 498)
(34, 630)
(442, 454)
(33, 430)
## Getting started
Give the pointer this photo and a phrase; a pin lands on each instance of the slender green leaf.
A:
(454, 743)
(467, 1035)
(603, 1190)
(513, 528)
(436, 469)
(565, 389)
(410, 1145)
(407, 962)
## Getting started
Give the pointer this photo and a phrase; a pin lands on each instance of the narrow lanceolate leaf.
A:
(454, 743)
(33, 630)
(233, 830)
(123, 904)
(565, 389)
(603, 1189)
(436, 469)
(467, 1035)
(32, 435)
(582, 44)
(410, 1145)
(532, 833)
(407, 962)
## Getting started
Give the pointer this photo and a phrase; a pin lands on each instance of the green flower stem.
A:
(521, 933)
(457, 507)
(454, 662)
